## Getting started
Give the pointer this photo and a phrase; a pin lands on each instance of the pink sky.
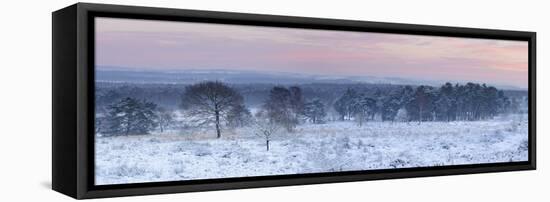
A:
(164, 45)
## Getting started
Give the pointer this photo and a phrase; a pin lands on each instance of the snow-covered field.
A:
(335, 146)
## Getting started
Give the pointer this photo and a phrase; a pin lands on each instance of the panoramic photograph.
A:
(179, 101)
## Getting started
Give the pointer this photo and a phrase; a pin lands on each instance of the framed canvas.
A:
(155, 100)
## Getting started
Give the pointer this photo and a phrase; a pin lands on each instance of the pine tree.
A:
(130, 116)
(446, 103)
(362, 108)
(344, 105)
(315, 111)
(421, 106)
(296, 101)
(391, 105)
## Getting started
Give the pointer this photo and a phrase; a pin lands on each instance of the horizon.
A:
(328, 78)
(152, 45)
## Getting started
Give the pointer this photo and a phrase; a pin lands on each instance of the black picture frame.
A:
(73, 100)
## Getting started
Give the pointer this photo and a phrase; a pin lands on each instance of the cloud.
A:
(172, 45)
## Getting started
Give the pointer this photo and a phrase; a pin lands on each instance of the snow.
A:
(334, 146)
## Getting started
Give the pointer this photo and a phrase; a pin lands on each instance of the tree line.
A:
(217, 105)
(469, 102)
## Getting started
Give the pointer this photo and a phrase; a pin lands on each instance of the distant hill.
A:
(125, 75)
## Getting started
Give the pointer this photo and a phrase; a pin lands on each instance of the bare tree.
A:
(239, 116)
(165, 118)
(211, 101)
(266, 129)
(278, 108)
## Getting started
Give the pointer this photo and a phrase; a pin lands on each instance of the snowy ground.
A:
(335, 146)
